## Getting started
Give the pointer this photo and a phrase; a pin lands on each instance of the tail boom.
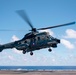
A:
(6, 46)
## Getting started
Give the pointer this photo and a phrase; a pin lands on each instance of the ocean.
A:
(40, 68)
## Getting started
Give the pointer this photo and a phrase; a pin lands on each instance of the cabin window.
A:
(19, 42)
(25, 41)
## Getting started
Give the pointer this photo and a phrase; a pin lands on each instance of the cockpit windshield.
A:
(51, 37)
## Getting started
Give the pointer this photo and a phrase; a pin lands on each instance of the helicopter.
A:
(34, 40)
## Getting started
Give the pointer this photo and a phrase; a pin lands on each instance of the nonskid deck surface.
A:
(14, 72)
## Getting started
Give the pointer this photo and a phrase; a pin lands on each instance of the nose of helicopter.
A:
(58, 40)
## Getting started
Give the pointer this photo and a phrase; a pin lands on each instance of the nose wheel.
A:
(49, 49)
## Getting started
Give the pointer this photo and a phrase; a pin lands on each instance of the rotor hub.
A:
(34, 30)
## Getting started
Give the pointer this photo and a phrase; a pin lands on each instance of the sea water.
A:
(37, 68)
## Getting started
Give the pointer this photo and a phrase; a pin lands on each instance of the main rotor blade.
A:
(57, 26)
(25, 17)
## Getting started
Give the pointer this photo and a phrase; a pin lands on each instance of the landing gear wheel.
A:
(24, 51)
(31, 53)
(1, 50)
(49, 50)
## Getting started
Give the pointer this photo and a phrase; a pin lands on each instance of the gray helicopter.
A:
(34, 40)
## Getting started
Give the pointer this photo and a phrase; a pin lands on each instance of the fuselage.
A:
(39, 41)
(42, 40)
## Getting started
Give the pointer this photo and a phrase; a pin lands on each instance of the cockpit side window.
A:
(47, 37)
(38, 38)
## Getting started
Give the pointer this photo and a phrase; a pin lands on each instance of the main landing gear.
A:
(24, 51)
(31, 53)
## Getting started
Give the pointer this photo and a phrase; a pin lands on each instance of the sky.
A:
(42, 13)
